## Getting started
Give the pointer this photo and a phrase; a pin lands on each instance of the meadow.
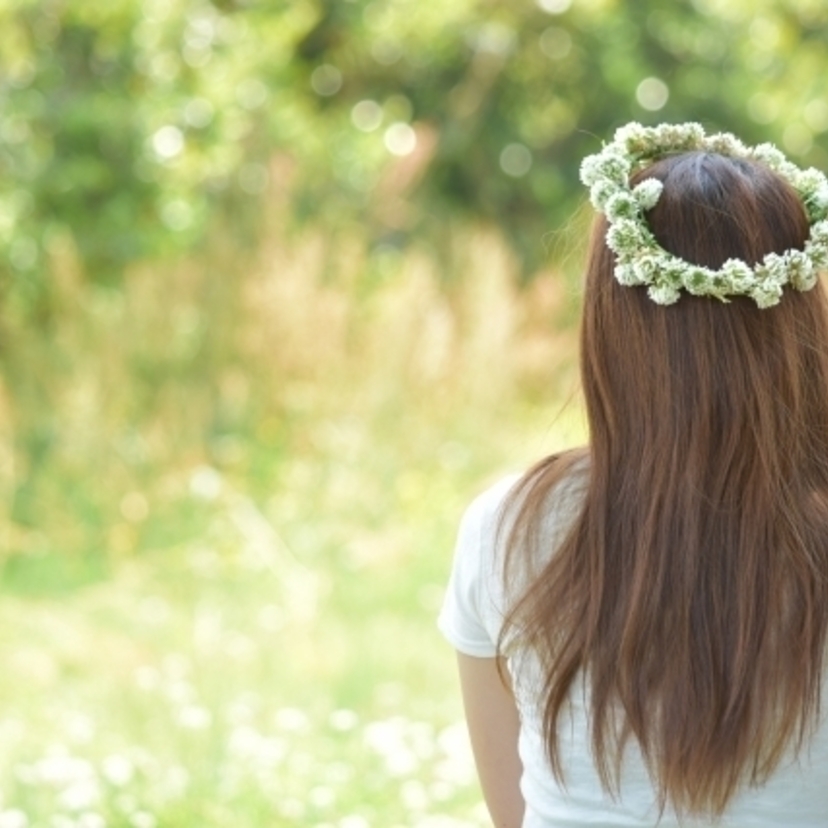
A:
(282, 287)
(222, 612)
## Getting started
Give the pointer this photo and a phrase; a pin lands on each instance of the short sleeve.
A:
(470, 618)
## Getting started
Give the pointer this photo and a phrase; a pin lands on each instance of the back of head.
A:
(693, 376)
(693, 588)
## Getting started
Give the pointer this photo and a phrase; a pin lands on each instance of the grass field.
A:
(258, 646)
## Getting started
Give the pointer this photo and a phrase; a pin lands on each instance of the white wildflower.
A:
(343, 720)
(809, 181)
(773, 270)
(679, 137)
(647, 268)
(622, 205)
(718, 284)
(648, 192)
(601, 192)
(769, 155)
(818, 254)
(13, 818)
(726, 144)
(819, 233)
(696, 280)
(739, 275)
(633, 132)
(590, 171)
(671, 272)
(663, 294)
(625, 236)
(82, 794)
(816, 203)
(766, 296)
(801, 272)
(118, 770)
(614, 166)
(820, 197)
(625, 275)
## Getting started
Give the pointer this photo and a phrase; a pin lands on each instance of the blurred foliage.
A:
(134, 123)
(207, 205)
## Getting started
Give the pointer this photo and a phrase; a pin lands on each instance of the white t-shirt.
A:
(796, 796)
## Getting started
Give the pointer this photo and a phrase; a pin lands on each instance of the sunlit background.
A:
(283, 285)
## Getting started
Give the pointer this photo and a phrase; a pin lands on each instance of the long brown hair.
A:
(692, 589)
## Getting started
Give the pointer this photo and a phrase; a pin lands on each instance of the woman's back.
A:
(674, 624)
(795, 796)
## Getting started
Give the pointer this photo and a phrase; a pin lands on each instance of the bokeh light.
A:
(366, 115)
(326, 80)
(516, 160)
(554, 6)
(652, 94)
(400, 139)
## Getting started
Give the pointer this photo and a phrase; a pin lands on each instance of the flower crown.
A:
(640, 260)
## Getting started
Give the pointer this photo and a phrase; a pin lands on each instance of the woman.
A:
(641, 624)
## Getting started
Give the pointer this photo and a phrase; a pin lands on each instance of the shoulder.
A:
(550, 495)
(469, 618)
(489, 506)
(560, 481)
(547, 499)
(476, 598)
(482, 524)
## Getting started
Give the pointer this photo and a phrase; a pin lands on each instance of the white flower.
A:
(590, 170)
(773, 270)
(625, 236)
(648, 192)
(13, 818)
(819, 233)
(679, 137)
(614, 166)
(820, 196)
(632, 132)
(769, 155)
(718, 284)
(818, 254)
(610, 164)
(726, 144)
(663, 294)
(696, 280)
(117, 769)
(738, 274)
(801, 272)
(647, 268)
(809, 181)
(671, 272)
(816, 203)
(625, 274)
(766, 296)
(622, 205)
(601, 192)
